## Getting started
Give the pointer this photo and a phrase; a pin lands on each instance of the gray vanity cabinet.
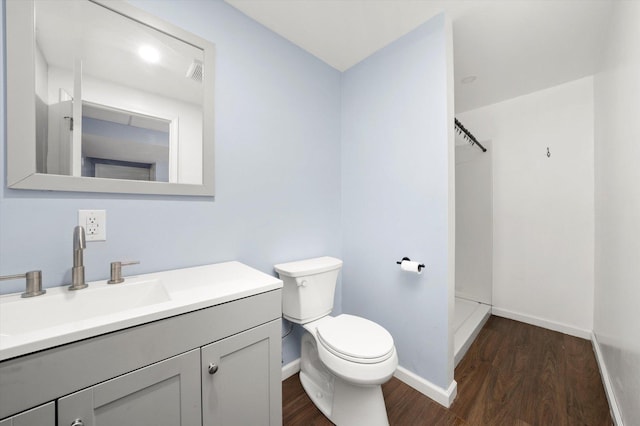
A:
(166, 393)
(157, 373)
(44, 415)
(240, 378)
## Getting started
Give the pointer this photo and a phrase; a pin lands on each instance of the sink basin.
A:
(61, 316)
(64, 307)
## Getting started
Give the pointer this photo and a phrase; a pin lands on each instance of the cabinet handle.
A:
(213, 368)
(77, 422)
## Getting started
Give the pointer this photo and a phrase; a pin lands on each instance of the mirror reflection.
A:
(115, 98)
(120, 144)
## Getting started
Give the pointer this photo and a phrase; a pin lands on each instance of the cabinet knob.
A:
(77, 422)
(213, 368)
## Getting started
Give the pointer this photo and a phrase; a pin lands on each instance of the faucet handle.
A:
(116, 271)
(34, 282)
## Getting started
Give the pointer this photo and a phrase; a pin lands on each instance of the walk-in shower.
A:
(474, 239)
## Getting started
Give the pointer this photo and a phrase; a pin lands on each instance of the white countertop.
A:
(61, 316)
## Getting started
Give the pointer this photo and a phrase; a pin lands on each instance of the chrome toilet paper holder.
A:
(420, 266)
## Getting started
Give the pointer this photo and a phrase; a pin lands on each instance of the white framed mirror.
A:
(103, 97)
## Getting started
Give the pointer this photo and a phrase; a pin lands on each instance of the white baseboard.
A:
(606, 381)
(540, 322)
(290, 369)
(442, 396)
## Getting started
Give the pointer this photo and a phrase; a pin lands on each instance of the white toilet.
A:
(344, 359)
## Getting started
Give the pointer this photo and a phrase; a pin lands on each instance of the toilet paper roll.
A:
(410, 266)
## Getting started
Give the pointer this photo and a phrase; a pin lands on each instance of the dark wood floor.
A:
(513, 374)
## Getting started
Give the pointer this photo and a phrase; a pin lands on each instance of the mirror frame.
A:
(21, 112)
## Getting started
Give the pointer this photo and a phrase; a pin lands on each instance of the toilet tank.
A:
(309, 288)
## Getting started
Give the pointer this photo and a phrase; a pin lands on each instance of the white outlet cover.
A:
(94, 223)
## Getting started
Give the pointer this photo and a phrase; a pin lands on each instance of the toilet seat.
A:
(355, 339)
(381, 363)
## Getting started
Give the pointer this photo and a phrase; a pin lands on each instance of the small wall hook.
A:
(548, 153)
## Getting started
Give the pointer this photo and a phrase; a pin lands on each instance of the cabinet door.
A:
(241, 378)
(44, 415)
(166, 393)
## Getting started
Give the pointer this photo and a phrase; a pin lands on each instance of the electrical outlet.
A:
(94, 223)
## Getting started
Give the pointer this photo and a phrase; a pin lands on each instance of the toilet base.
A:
(344, 403)
(349, 404)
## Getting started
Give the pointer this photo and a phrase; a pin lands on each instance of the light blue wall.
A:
(302, 153)
(277, 172)
(395, 183)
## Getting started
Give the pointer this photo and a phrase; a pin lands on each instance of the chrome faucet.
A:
(77, 272)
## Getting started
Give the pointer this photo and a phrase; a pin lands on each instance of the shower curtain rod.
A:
(468, 135)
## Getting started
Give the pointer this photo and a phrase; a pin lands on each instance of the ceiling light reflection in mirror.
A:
(149, 54)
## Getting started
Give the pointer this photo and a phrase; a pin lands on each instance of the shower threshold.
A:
(469, 317)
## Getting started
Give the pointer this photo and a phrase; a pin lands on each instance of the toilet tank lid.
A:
(301, 268)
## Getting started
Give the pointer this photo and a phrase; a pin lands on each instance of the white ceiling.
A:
(513, 47)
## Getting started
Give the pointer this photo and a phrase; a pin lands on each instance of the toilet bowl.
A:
(344, 359)
(354, 348)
